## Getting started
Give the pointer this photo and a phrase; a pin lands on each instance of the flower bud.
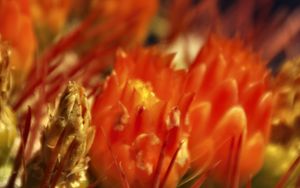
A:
(65, 142)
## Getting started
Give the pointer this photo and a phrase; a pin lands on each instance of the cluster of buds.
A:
(62, 159)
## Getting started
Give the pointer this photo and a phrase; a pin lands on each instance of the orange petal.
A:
(262, 121)
(199, 116)
(232, 124)
(252, 155)
(224, 97)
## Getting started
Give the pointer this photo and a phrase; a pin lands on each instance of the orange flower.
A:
(138, 117)
(216, 115)
(231, 114)
(16, 28)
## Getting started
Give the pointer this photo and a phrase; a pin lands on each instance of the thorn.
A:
(288, 173)
(201, 180)
(51, 164)
(297, 182)
(164, 180)
(156, 174)
(191, 178)
(118, 165)
(249, 183)
(234, 162)
(73, 146)
(236, 165)
(19, 158)
(228, 168)
(199, 176)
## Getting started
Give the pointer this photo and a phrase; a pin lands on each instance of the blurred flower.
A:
(87, 48)
(121, 11)
(286, 85)
(283, 156)
(8, 121)
(231, 114)
(50, 13)
(284, 148)
(16, 28)
(269, 30)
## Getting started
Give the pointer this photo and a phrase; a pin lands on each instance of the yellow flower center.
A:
(146, 96)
